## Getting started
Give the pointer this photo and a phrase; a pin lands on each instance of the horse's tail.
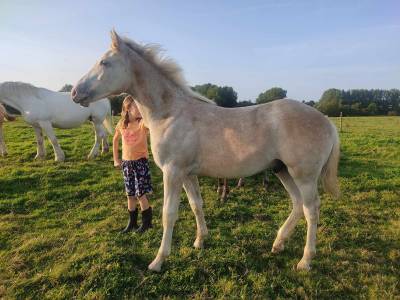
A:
(329, 173)
(107, 123)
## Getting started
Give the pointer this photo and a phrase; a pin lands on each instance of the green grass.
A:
(60, 223)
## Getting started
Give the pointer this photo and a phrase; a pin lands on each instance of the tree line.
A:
(360, 102)
(354, 102)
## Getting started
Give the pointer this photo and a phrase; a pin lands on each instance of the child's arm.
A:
(117, 135)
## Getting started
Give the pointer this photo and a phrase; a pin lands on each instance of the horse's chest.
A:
(160, 150)
(168, 150)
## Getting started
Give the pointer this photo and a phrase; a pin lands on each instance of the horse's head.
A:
(109, 76)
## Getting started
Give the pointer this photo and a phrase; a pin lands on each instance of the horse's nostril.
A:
(73, 93)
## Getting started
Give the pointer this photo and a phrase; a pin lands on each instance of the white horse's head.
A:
(109, 76)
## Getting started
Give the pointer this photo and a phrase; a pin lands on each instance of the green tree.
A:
(330, 102)
(226, 97)
(207, 90)
(222, 96)
(66, 88)
(372, 109)
(356, 109)
(245, 103)
(116, 103)
(309, 103)
(271, 95)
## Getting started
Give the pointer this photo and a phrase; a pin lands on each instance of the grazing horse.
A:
(44, 109)
(296, 140)
(3, 116)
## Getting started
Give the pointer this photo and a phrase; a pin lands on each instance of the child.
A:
(134, 164)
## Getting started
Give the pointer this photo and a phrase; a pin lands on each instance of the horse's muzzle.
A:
(79, 97)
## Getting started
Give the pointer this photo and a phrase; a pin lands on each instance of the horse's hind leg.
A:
(48, 129)
(3, 148)
(297, 211)
(99, 136)
(311, 205)
(104, 143)
(192, 188)
(240, 182)
(219, 187)
(41, 151)
(225, 191)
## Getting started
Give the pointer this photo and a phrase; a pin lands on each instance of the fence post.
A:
(341, 115)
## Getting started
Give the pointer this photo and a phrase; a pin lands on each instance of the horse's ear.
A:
(115, 40)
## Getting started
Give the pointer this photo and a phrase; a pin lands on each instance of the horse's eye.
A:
(104, 63)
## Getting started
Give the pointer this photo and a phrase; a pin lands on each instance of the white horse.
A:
(44, 109)
(296, 140)
(3, 116)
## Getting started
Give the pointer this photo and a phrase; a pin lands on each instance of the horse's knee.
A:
(169, 218)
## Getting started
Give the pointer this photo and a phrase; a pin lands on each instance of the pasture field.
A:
(60, 223)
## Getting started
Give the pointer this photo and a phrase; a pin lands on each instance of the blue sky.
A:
(304, 47)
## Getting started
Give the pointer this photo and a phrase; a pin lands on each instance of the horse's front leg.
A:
(192, 188)
(41, 151)
(225, 191)
(48, 129)
(99, 135)
(173, 180)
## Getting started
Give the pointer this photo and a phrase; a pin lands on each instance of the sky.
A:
(305, 47)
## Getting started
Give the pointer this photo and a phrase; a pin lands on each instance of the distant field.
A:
(60, 223)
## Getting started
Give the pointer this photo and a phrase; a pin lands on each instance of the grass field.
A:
(60, 223)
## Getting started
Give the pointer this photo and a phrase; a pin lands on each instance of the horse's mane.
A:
(153, 54)
(20, 89)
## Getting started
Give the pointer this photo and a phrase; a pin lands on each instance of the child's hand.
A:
(117, 163)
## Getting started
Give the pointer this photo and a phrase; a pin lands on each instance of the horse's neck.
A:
(158, 99)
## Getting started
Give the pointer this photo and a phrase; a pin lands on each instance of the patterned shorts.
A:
(137, 177)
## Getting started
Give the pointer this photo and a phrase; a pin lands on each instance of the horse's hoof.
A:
(37, 157)
(91, 156)
(155, 266)
(277, 248)
(60, 159)
(223, 198)
(303, 266)
(198, 244)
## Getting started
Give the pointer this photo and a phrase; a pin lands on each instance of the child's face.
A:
(133, 111)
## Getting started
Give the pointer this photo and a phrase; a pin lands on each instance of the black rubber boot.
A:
(147, 216)
(132, 223)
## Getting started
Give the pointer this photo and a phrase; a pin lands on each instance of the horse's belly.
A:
(233, 169)
(67, 123)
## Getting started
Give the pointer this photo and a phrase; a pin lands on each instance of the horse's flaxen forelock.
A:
(154, 54)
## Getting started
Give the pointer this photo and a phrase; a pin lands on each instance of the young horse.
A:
(299, 142)
(3, 116)
(44, 109)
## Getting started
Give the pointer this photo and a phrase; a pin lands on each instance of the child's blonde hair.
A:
(126, 105)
